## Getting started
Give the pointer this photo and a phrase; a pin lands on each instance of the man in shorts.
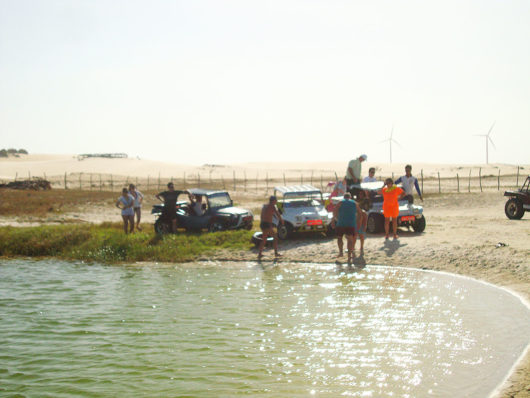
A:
(268, 212)
(169, 198)
(346, 223)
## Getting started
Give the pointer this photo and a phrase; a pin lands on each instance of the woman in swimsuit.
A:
(126, 202)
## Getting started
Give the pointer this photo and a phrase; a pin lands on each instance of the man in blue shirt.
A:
(346, 223)
(407, 182)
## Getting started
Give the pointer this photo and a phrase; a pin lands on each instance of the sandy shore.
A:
(466, 233)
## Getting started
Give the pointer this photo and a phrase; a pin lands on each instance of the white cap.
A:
(364, 156)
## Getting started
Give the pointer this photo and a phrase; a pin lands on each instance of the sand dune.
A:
(54, 165)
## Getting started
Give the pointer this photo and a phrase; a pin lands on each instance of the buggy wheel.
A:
(514, 209)
(215, 226)
(375, 223)
(419, 224)
(162, 227)
(285, 231)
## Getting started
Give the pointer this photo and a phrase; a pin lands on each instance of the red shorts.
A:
(348, 231)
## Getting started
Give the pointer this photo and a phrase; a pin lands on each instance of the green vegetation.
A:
(4, 153)
(106, 243)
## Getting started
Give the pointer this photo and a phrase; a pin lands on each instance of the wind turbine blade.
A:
(399, 145)
(392, 132)
(489, 138)
(380, 142)
(491, 128)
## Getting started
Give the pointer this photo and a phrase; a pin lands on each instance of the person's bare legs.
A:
(387, 226)
(138, 212)
(264, 237)
(125, 222)
(364, 223)
(131, 224)
(394, 227)
(275, 243)
(351, 247)
(340, 244)
(354, 240)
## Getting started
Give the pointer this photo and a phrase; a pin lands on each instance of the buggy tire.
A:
(215, 226)
(285, 231)
(514, 209)
(162, 227)
(375, 223)
(419, 224)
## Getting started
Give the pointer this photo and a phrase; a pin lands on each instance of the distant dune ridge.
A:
(38, 165)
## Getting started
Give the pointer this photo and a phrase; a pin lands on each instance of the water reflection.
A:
(271, 330)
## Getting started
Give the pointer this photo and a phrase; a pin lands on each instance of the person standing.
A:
(137, 207)
(169, 198)
(407, 182)
(346, 223)
(126, 202)
(353, 172)
(268, 212)
(391, 195)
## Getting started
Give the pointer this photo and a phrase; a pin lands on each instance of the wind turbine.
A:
(390, 140)
(488, 138)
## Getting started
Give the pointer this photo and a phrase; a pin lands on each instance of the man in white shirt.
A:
(407, 182)
(371, 175)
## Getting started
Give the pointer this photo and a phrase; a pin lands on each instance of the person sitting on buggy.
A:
(197, 207)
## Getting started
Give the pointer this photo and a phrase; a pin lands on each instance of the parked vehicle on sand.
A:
(219, 214)
(302, 209)
(410, 215)
(519, 201)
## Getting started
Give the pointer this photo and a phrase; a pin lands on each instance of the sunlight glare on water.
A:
(239, 329)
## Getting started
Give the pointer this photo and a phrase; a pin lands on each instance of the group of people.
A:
(130, 203)
(349, 218)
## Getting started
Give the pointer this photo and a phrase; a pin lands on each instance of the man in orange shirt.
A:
(391, 195)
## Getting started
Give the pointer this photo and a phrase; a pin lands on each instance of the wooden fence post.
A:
(100, 184)
(223, 180)
(198, 179)
(234, 177)
(469, 182)
(321, 182)
(111, 184)
(80, 187)
(439, 184)
(311, 180)
(257, 174)
(245, 184)
(422, 181)
(147, 189)
(65, 182)
(499, 180)
(284, 183)
(457, 183)
(480, 178)
(517, 183)
(267, 183)
(301, 179)
(16, 176)
(91, 181)
(158, 181)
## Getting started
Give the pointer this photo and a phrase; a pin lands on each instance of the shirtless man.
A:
(267, 213)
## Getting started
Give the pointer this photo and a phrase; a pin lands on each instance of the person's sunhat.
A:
(364, 156)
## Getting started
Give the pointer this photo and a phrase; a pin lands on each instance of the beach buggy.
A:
(519, 201)
(219, 214)
(302, 208)
(410, 215)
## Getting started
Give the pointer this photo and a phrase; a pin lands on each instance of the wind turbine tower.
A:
(488, 138)
(390, 140)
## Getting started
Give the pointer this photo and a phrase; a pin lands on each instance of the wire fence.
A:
(467, 181)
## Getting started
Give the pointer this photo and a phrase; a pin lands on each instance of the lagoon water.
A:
(220, 330)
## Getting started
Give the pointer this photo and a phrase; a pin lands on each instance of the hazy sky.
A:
(234, 81)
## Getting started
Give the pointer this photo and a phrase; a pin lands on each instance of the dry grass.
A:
(15, 202)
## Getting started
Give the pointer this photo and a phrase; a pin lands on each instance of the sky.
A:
(231, 81)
